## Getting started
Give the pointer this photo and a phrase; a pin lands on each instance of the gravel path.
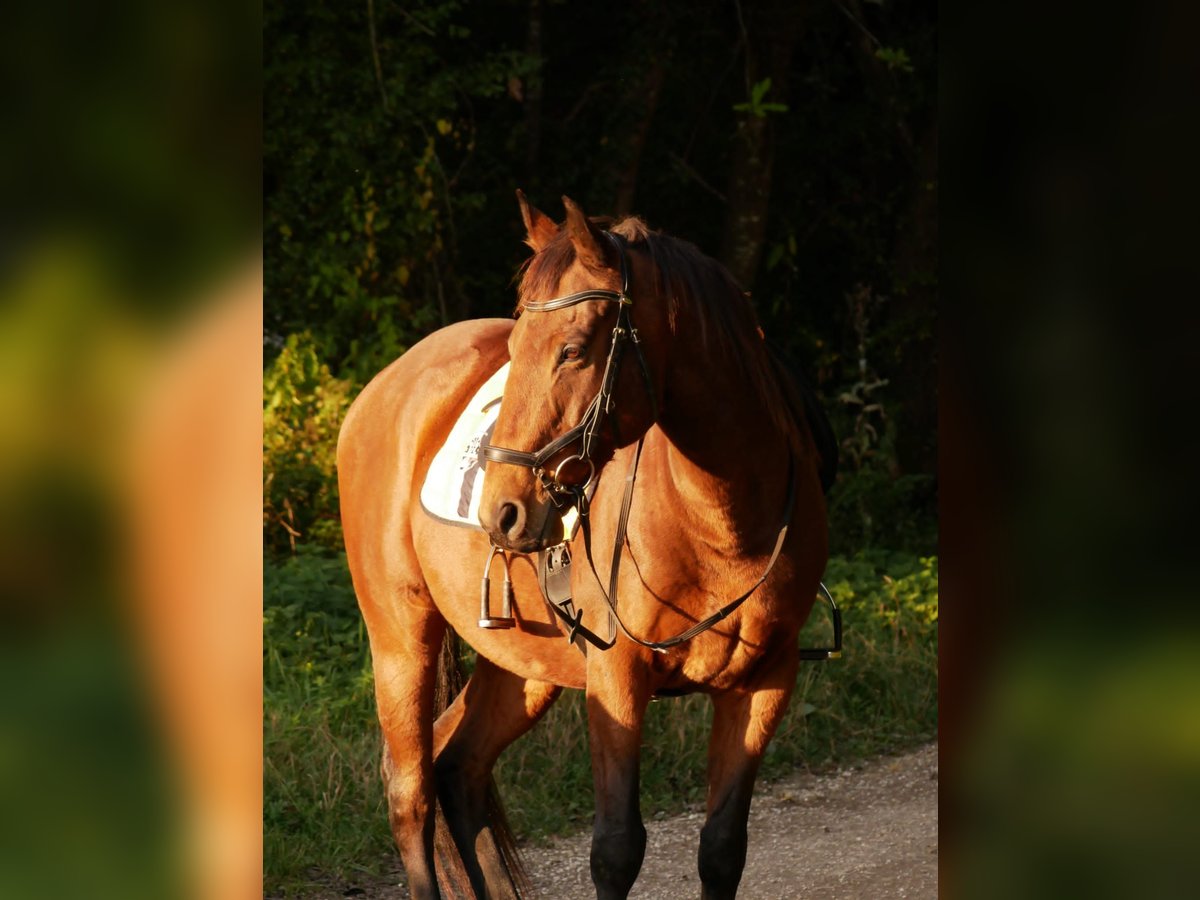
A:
(866, 831)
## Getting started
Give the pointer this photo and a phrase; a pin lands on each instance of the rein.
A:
(562, 494)
(610, 596)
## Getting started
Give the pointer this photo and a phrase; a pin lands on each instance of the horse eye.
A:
(571, 352)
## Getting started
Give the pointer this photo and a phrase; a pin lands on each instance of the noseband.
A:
(584, 433)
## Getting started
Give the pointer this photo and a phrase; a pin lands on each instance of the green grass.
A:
(324, 811)
(323, 807)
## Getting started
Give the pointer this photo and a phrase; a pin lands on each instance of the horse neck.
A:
(725, 454)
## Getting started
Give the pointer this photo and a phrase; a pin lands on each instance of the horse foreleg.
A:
(616, 703)
(493, 710)
(405, 678)
(743, 723)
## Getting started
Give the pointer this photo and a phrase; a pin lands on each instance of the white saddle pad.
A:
(454, 483)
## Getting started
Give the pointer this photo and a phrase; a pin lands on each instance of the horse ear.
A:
(590, 245)
(539, 227)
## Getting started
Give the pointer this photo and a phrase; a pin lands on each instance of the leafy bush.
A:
(303, 406)
(893, 588)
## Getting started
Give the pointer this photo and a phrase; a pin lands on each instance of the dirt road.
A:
(867, 831)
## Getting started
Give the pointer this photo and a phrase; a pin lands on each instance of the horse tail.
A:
(450, 682)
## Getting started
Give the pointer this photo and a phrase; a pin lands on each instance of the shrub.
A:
(303, 406)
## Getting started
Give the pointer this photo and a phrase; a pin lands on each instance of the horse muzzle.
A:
(514, 526)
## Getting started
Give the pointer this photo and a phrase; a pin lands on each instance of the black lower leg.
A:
(723, 851)
(617, 852)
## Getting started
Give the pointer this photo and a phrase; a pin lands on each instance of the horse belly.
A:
(452, 559)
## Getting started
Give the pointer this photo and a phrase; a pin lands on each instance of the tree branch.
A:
(375, 55)
(696, 176)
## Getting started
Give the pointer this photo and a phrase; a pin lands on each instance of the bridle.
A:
(584, 433)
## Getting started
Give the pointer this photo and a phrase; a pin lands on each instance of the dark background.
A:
(795, 142)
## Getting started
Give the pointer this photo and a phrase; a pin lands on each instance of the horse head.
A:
(581, 381)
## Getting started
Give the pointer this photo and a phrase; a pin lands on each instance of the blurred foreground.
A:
(130, 448)
(1070, 665)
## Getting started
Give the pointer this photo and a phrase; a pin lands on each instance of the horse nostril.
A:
(508, 517)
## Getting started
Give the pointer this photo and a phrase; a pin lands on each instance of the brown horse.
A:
(728, 459)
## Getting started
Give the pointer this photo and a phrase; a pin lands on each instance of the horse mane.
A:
(694, 283)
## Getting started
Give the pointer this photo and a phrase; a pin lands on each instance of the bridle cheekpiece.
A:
(561, 489)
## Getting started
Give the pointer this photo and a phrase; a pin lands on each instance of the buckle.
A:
(570, 460)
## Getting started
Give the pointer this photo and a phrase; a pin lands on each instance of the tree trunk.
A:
(648, 90)
(769, 35)
(749, 194)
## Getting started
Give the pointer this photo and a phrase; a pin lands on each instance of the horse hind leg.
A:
(743, 723)
(405, 661)
(493, 710)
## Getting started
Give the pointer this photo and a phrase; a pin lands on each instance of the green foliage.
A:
(895, 58)
(881, 696)
(303, 406)
(368, 169)
(325, 815)
(313, 634)
(889, 587)
(874, 508)
(758, 106)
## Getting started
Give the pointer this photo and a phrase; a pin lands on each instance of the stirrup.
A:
(834, 652)
(505, 619)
